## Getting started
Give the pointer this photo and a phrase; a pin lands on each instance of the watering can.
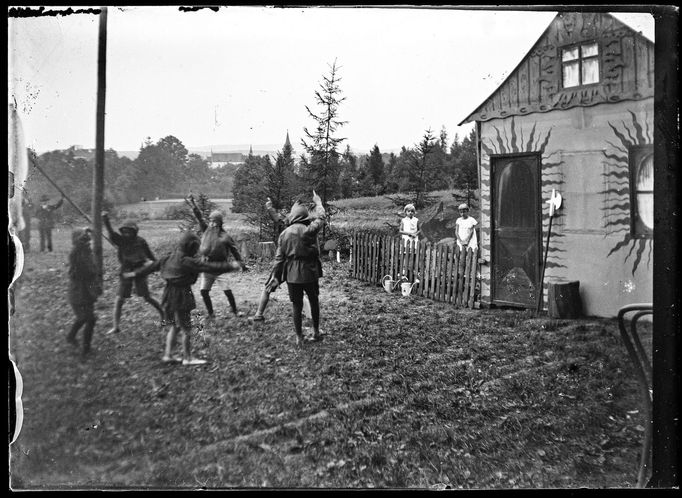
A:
(389, 284)
(406, 287)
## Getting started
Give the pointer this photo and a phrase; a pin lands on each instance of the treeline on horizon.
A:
(165, 169)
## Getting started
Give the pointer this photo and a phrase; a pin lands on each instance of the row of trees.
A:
(161, 169)
(166, 169)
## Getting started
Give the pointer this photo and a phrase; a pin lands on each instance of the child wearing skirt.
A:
(180, 269)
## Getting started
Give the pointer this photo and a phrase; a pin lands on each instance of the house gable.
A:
(626, 69)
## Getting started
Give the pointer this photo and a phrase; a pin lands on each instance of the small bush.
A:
(177, 212)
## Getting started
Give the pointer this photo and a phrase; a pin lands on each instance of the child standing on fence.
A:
(297, 263)
(465, 229)
(409, 225)
(180, 269)
(84, 288)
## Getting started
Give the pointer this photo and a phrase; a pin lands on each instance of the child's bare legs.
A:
(233, 303)
(186, 345)
(184, 322)
(262, 304)
(170, 342)
(156, 305)
(314, 312)
(206, 296)
(118, 307)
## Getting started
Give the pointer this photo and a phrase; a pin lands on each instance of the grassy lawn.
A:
(402, 392)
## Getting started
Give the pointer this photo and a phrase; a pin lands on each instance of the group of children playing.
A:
(206, 254)
(297, 262)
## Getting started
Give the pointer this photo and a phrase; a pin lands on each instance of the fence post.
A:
(352, 259)
(448, 275)
(472, 280)
(425, 276)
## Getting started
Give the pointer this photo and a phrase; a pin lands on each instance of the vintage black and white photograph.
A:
(328, 247)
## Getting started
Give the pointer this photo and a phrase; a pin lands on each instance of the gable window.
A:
(580, 64)
(642, 191)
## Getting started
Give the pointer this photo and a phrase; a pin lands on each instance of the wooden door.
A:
(516, 234)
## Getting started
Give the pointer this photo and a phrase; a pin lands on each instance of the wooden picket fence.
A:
(445, 273)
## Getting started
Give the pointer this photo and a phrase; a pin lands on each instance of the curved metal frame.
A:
(644, 372)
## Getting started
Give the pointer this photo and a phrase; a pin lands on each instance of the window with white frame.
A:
(580, 64)
(642, 191)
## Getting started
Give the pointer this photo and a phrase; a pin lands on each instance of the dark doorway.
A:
(516, 233)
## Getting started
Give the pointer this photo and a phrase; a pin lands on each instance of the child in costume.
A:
(84, 288)
(180, 269)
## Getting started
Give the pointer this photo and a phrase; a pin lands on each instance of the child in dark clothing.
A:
(180, 270)
(45, 214)
(297, 263)
(216, 245)
(84, 288)
(280, 222)
(133, 253)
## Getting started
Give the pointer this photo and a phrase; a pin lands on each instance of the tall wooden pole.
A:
(98, 174)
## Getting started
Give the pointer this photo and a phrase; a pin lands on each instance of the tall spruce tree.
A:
(322, 143)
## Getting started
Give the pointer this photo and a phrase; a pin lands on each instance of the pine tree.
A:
(323, 164)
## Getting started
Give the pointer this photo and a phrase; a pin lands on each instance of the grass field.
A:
(401, 393)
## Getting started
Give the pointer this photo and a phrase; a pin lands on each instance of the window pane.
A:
(589, 50)
(590, 71)
(645, 173)
(571, 74)
(645, 210)
(569, 54)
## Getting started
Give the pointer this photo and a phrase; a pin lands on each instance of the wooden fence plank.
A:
(445, 273)
(427, 270)
(472, 277)
(434, 272)
(456, 275)
(386, 255)
(373, 258)
(352, 255)
(467, 278)
(453, 273)
(448, 276)
(363, 255)
(439, 272)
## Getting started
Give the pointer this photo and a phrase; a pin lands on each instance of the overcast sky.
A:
(243, 75)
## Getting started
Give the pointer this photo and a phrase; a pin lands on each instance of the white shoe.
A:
(194, 361)
(171, 359)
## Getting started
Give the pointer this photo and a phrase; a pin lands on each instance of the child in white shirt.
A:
(409, 225)
(464, 229)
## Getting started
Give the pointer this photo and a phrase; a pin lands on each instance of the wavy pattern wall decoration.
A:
(616, 206)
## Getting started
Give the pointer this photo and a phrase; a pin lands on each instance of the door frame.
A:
(493, 241)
